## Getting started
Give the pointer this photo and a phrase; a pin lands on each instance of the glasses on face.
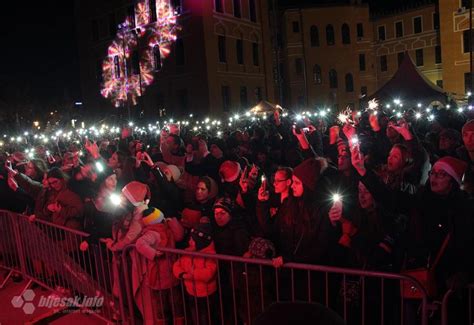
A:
(280, 180)
(438, 174)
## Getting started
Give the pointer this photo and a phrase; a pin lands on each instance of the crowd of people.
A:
(375, 192)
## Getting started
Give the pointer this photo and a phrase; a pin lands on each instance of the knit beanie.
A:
(136, 192)
(211, 186)
(190, 217)
(262, 248)
(202, 235)
(308, 172)
(229, 171)
(224, 203)
(152, 216)
(175, 172)
(453, 167)
(468, 126)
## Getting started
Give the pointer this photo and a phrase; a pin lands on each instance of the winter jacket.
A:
(71, 211)
(128, 229)
(165, 195)
(158, 267)
(432, 219)
(301, 231)
(233, 238)
(203, 270)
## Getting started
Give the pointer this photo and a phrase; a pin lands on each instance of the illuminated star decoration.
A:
(120, 81)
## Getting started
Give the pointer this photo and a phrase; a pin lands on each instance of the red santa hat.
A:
(229, 171)
(453, 167)
(137, 193)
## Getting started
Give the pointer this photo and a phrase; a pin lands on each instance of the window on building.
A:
(117, 66)
(112, 24)
(299, 67)
(332, 79)
(152, 8)
(301, 101)
(225, 98)
(317, 75)
(435, 21)
(218, 5)
(346, 34)
(255, 54)
(314, 35)
(381, 33)
(400, 56)
(157, 58)
(237, 9)
(179, 51)
(417, 25)
(439, 83)
(177, 6)
(135, 63)
(383, 63)
(362, 62)
(296, 27)
(360, 30)
(363, 91)
(221, 48)
(330, 35)
(95, 30)
(253, 11)
(239, 47)
(419, 57)
(258, 94)
(438, 54)
(399, 29)
(466, 3)
(467, 82)
(466, 35)
(349, 83)
(131, 16)
(243, 97)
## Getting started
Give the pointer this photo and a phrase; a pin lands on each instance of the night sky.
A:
(39, 50)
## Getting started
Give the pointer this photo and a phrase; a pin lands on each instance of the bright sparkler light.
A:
(373, 104)
(418, 115)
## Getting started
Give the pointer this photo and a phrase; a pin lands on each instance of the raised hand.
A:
(243, 182)
(263, 194)
(357, 159)
(335, 213)
(334, 134)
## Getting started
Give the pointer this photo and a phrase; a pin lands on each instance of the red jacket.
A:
(203, 282)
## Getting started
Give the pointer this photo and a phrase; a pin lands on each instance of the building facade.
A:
(335, 55)
(456, 47)
(219, 62)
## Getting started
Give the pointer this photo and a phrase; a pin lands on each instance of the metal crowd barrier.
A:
(50, 256)
(246, 287)
(232, 290)
(447, 298)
